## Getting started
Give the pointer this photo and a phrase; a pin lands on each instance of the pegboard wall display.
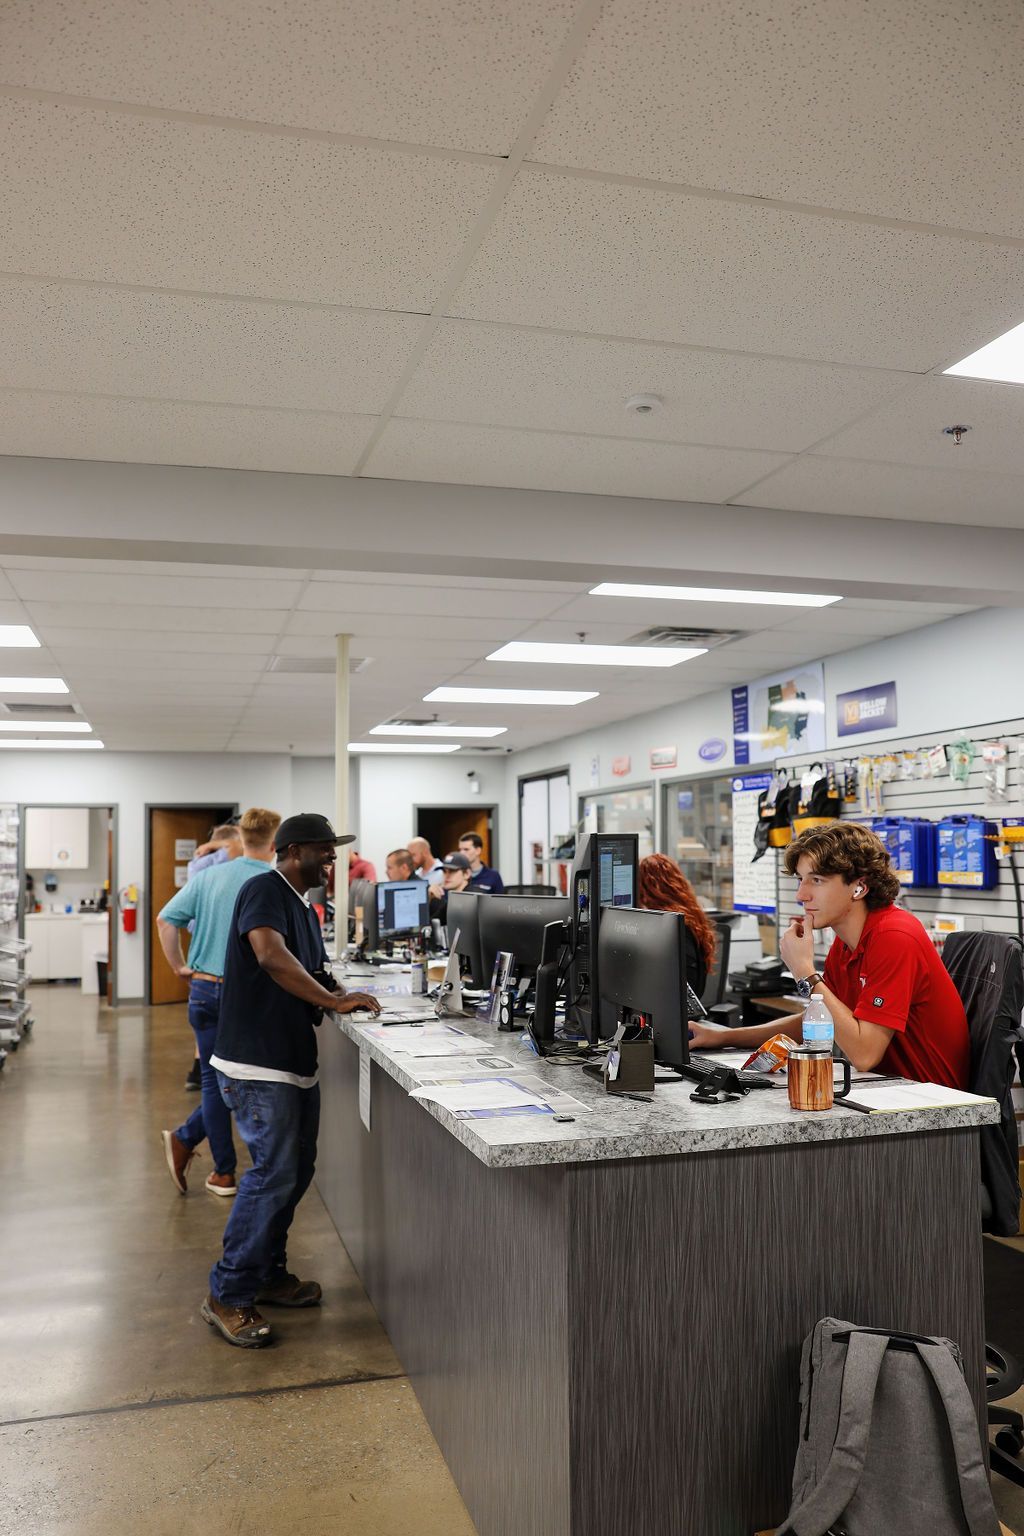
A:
(990, 790)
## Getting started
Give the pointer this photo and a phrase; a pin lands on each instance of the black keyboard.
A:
(697, 1070)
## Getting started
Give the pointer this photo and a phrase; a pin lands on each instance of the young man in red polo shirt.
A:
(893, 1003)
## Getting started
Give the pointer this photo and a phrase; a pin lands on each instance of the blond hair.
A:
(258, 826)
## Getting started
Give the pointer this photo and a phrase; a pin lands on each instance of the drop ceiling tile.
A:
(503, 377)
(842, 107)
(409, 608)
(855, 625)
(423, 71)
(383, 648)
(640, 262)
(215, 208)
(82, 643)
(169, 432)
(209, 571)
(165, 591)
(121, 615)
(447, 581)
(365, 627)
(909, 428)
(474, 455)
(858, 488)
(172, 346)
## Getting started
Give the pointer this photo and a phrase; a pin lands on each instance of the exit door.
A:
(173, 833)
(443, 825)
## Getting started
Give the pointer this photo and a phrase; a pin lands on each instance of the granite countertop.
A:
(612, 1126)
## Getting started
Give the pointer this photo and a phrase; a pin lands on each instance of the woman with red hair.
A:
(664, 888)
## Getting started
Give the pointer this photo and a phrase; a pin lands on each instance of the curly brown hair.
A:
(664, 888)
(845, 848)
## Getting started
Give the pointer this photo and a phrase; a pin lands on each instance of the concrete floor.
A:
(120, 1410)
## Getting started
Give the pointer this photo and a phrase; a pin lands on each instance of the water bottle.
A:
(819, 1031)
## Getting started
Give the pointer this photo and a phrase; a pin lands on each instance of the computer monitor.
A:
(643, 971)
(517, 923)
(604, 875)
(462, 918)
(398, 909)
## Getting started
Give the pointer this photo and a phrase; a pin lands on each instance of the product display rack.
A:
(15, 1009)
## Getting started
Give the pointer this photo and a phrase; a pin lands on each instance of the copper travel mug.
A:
(810, 1078)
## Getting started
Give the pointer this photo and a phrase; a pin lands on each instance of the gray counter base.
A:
(612, 1348)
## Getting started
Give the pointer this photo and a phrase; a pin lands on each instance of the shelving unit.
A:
(15, 1009)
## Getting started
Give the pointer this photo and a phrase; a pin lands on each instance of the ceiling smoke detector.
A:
(643, 405)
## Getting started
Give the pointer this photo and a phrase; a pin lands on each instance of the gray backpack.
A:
(888, 1439)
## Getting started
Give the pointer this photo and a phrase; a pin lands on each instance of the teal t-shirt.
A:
(209, 901)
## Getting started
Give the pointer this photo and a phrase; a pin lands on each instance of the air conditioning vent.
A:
(43, 711)
(412, 720)
(309, 665)
(669, 635)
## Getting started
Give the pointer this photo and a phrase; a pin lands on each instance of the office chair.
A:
(359, 893)
(532, 890)
(714, 986)
(987, 970)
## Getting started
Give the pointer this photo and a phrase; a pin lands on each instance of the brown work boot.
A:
(222, 1184)
(240, 1325)
(290, 1291)
(178, 1158)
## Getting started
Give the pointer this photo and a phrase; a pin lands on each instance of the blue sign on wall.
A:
(685, 800)
(712, 750)
(741, 723)
(866, 709)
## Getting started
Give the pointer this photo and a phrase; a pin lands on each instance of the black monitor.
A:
(517, 923)
(604, 875)
(397, 909)
(462, 915)
(643, 971)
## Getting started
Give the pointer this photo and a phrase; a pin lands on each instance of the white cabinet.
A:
(56, 837)
(56, 940)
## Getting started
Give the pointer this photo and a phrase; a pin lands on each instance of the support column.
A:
(341, 796)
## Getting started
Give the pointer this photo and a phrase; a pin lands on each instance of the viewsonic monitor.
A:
(463, 920)
(643, 971)
(398, 909)
(517, 923)
(604, 875)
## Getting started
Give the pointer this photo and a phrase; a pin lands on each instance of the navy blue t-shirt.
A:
(487, 879)
(260, 1024)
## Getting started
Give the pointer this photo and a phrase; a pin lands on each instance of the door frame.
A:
(526, 778)
(452, 805)
(161, 805)
(77, 805)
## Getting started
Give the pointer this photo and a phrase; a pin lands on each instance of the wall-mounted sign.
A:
(663, 757)
(866, 709)
(621, 766)
(753, 884)
(184, 849)
(779, 715)
(684, 800)
(712, 750)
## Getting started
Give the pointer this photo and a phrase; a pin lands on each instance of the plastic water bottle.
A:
(819, 1030)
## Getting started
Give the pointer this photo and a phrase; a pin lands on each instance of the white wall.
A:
(390, 788)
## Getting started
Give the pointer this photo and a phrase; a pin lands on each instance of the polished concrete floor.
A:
(120, 1410)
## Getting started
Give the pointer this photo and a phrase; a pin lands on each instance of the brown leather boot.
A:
(240, 1325)
(222, 1184)
(290, 1291)
(178, 1158)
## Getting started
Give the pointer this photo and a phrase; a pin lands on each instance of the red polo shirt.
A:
(895, 978)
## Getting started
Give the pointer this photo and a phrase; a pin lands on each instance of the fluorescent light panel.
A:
(505, 696)
(17, 637)
(715, 595)
(439, 730)
(1002, 360)
(570, 655)
(33, 685)
(92, 745)
(62, 727)
(403, 746)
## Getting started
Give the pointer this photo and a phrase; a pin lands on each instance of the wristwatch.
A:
(808, 984)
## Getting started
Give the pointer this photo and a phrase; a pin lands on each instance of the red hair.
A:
(664, 888)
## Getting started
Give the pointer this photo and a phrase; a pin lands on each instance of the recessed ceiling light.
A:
(17, 636)
(92, 745)
(439, 730)
(64, 727)
(1002, 360)
(715, 595)
(403, 746)
(33, 685)
(595, 655)
(505, 696)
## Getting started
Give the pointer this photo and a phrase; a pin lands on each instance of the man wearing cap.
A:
(457, 877)
(276, 988)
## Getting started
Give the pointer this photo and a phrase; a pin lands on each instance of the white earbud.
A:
(858, 890)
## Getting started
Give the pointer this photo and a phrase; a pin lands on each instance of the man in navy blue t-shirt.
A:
(276, 989)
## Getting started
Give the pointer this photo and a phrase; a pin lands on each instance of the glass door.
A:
(697, 825)
(546, 842)
(622, 810)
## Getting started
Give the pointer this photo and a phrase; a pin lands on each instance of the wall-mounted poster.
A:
(663, 757)
(866, 709)
(753, 884)
(780, 715)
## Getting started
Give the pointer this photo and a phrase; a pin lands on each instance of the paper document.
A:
(887, 1098)
(483, 1098)
(431, 1039)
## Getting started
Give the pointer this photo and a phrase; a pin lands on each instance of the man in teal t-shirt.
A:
(207, 903)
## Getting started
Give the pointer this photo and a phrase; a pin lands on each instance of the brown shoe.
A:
(290, 1291)
(240, 1325)
(178, 1158)
(222, 1184)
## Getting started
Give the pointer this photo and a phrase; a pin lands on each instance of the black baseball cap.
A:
(456, 861)
(308, 828)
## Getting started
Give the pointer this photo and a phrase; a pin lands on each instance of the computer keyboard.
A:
(697, 1070)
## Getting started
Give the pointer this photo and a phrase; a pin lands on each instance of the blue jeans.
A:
(278, 1123)
(211, 1118)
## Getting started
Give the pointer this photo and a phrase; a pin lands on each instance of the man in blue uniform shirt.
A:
(481, 877)
(276, 988)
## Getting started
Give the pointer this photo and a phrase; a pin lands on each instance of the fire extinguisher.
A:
(128, 902)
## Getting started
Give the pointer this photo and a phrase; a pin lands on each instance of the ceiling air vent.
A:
(415, 720)
(670, 635)
(316, 664)
(43, 711)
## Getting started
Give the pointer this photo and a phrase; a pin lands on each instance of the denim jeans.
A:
(278, 1123)
(211, 1119)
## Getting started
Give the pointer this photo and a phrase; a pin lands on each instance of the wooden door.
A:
(442, 826)
(169, 825)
